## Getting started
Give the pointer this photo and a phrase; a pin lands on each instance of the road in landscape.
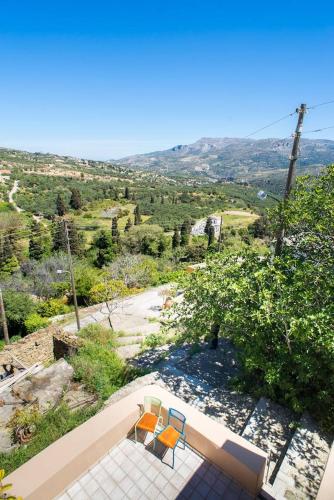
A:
(136, 317)
(11, 193)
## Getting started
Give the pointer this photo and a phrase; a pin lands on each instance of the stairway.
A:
(269, 428)
(303, 465)
(297, 449)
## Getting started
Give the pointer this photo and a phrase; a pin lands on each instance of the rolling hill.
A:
(233, 158)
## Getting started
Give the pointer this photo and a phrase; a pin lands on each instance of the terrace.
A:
(100, 460)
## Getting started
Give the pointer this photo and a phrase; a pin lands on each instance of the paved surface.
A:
(136, 316)
(133, 471)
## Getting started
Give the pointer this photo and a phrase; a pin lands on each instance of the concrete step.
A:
(269, 428)
(128, 351)
(302, 468)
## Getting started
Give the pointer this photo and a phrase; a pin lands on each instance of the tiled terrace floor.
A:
(133, 471)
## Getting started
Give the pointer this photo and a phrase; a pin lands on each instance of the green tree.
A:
(18, 307)
(115, 231)
(137, 215)
(208, 224)
(128, 225)
(152, 200)
(176, 238)
(75, 200)
(279, 313)
(59, 240)
(60, 206)
(211, 236)
(184, 241)
(39, 243)
(144, 239)
(127, 195)
(105, 248)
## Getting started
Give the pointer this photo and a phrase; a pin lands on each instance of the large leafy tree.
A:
(278, 312)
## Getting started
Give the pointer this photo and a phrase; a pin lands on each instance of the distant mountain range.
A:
(233, 158)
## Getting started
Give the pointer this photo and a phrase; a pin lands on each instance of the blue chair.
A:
(173, 432)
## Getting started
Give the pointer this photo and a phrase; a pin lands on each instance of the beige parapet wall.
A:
(326, 490)
(47, 474)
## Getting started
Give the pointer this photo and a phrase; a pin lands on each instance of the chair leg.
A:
(136, 434)
(173, 457)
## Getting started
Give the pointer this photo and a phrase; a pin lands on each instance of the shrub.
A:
(53, 307)
(35, 322)
(100, 369)
(19, 306)
(98, 334)
(15, 338)
(155, 340)
(49, 428)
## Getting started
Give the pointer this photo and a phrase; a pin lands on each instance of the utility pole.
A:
(4, 319)
(72, 274)
(220, 233)
(292, 167)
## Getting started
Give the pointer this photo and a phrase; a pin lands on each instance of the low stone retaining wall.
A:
(34, 348)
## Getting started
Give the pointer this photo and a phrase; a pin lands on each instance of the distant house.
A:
(5, 172)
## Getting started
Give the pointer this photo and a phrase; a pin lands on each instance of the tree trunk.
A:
(214, 335)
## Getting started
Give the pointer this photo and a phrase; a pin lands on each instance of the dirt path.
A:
(18, 209)
(11, 193)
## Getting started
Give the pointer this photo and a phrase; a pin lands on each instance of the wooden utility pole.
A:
(291, 173)
(72, 274)
(4, 319)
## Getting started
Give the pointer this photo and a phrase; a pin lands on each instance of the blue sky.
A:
(106, 79)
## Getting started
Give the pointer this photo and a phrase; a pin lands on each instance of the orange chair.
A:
(151, 417)
(173, 432)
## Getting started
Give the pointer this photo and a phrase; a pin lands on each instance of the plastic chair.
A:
(173, 432)
(151, 416)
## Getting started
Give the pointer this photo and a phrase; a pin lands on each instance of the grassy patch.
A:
(50, 427)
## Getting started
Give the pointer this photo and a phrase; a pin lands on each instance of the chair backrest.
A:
(176, 419)
(152, 405)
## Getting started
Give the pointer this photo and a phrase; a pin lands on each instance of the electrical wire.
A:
(321, 104)
(317, 130)
(271, 124)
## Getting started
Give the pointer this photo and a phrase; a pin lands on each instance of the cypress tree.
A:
(115, 231)
(152, 199)
(75, 201)
(116, 196)
(127, 193)
(60, 206)
(137, 216)
(128, 225)
(161, 246)
(36, 250)
(162, 199)
(104, 246)
(211, 236)
(176, 238)
(133, 197)
(207, 225)
(184, 241)
(59, 241)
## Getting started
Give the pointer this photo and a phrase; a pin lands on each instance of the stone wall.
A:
(34, 348)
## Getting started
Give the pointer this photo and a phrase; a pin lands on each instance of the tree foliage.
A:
(279, 313)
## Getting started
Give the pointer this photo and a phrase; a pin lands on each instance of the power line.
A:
(317, 130)
(321, 104)
(271, 124)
